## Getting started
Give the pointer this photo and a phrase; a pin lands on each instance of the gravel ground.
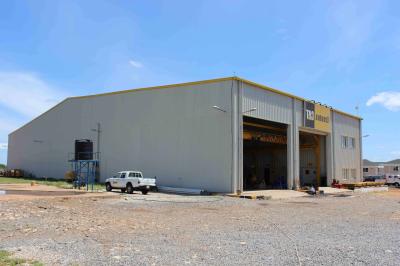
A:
(162, 229)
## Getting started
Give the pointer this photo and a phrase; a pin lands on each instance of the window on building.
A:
(352, 143)
(353, 174)
(345, 173)
(349, 173)
(348, 142)
(396, 168)
(344, 142)
(365, 170)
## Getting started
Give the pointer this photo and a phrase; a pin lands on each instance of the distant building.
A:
(381, 168)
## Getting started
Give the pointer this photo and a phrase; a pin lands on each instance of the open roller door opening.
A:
(264, 154)
(312, 160)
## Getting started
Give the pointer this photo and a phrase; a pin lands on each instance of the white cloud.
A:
(389, 99)
(3, 146)
(26, 94)
(135, 64)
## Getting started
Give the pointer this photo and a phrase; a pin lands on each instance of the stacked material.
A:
(12, 173)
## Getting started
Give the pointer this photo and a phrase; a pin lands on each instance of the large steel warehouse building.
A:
(220, 135)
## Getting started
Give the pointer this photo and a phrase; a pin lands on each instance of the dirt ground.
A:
(164, 229)
(16, 192)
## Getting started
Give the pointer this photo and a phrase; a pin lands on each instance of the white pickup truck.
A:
(393, 180)
(129, 181)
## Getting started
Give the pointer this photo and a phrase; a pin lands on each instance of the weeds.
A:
(7, 260)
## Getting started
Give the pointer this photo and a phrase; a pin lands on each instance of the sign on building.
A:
(317, 117)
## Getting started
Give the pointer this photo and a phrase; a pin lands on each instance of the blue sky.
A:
(343, 53)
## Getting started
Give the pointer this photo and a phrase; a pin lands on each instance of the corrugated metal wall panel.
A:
(173, 134)
(307, 158)
(323, 156)
(279, 108)
(276, 161)
(299, 113)
(270, 105)
(346, 158)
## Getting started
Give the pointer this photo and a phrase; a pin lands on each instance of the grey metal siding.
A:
(299, 113)
(298, 110)
(346, 158)
(279, 108)
(172, 133)
(307, 158)
(270, 105)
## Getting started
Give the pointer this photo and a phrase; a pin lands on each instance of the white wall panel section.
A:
(307, 158)
(323, 157)
(171, 133)
(279, 108)
(299, 113)
(270, 105)
(346, 158)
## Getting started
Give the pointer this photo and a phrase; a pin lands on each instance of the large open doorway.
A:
(264, 154)
(312, 160)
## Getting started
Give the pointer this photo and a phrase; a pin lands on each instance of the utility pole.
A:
(98, 140)
(98, 131)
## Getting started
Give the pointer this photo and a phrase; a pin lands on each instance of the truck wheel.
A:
(129, 188)
(123, 190)
(145, 191)
(108, 187)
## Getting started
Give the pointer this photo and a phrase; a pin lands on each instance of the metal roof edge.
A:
(347, 114)
(126, 91)
(269, 88)
(182, 85)
(261, 86)
(156, 87)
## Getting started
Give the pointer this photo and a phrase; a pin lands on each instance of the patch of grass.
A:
(42, 181)
(7, 260)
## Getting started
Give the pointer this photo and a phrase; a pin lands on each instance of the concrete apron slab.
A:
(270, 194)
(371, 189)
(332, 190)
(288, 194)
